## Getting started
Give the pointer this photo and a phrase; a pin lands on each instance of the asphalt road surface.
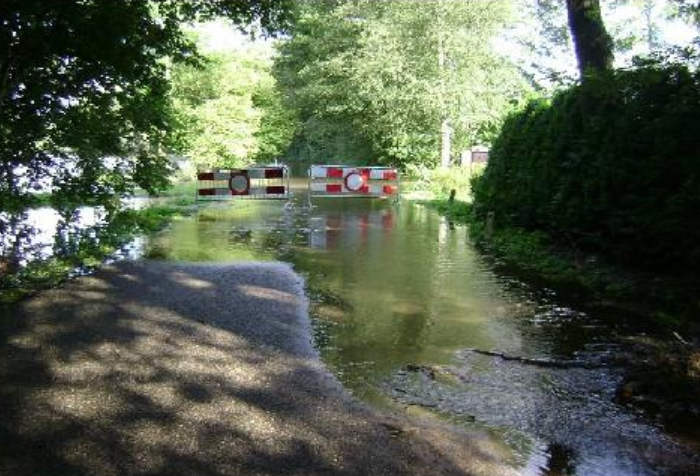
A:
(148, 368)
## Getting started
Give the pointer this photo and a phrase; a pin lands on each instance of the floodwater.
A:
(403, 304)
(406, 311)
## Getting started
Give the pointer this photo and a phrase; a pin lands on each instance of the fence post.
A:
(488, 229)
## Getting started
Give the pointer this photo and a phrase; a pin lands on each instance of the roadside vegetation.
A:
(589, 165)
(595, 191)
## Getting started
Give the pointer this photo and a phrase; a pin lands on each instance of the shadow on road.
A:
(157, 369)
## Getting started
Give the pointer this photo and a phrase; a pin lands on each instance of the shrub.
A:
(438, 182)
(610, 165)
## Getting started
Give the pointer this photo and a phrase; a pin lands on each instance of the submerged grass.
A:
(665, 301)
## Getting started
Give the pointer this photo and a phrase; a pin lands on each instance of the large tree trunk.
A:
(592, 42)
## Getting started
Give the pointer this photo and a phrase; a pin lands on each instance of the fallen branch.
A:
(559, 364)
(682, 340)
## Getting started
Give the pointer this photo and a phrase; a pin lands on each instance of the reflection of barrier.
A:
(350, 181)
(333, 230)
(262, 183)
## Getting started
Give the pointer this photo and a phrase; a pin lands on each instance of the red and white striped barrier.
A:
(270, 182)
(351, 181)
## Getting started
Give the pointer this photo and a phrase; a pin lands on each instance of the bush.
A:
(610, 165)
(438, 182)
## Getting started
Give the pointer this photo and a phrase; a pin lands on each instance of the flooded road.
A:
(406, 313)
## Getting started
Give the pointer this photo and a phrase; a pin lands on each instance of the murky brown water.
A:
(400, 297)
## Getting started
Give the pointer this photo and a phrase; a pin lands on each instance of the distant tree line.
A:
(401, 82)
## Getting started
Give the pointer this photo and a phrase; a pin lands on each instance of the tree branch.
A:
(5, 77)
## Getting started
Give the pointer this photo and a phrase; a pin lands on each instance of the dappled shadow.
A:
(160, 369)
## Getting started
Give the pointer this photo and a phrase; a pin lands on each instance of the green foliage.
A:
(457, 211)
(216, 109)
(373, 81)
(437, 183)
(637, 27)
(689, 9)
(180, 190)
(278, 123)
(612, 165)
(229, 111)
(84, 104)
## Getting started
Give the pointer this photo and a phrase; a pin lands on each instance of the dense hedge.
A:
(612, 165)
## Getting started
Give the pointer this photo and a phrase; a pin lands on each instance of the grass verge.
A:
(665, 300)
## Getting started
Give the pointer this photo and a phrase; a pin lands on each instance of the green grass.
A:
(457, 211)
(180, 190)
(422, 183)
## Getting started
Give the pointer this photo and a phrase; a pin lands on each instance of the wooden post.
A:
(488, 230)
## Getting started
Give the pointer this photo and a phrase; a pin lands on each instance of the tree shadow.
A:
(158, 369)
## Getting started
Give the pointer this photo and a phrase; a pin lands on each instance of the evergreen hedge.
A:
(611, 165)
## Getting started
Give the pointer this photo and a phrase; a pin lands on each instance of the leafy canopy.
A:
(84, 103)
(229, 110)
(374, 81)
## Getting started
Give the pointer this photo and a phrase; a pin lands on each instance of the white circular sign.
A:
(354, 181)
(238, 184)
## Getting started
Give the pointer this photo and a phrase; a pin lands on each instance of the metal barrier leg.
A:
(309, 204)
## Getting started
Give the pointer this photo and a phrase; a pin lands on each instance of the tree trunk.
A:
(445, 129)
(651, 33)
(4, 78)
(591, 40)
(446, 144)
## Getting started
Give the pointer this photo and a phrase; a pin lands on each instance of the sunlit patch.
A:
(694, 365)
(83, 404)
(266, 293)
(330, 312)
(38, 336)
(89, 295)
(190, 282)
(407, 308)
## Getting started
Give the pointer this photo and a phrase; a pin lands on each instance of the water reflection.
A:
(40, 233)
(399, 294)
(74, 238)
(395, 288)
(334, 229)
(15, 242)
(396, 283)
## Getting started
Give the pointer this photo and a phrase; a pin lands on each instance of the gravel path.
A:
(149, 368)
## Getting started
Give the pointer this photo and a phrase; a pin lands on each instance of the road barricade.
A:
(352, 181)
(256, 183)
